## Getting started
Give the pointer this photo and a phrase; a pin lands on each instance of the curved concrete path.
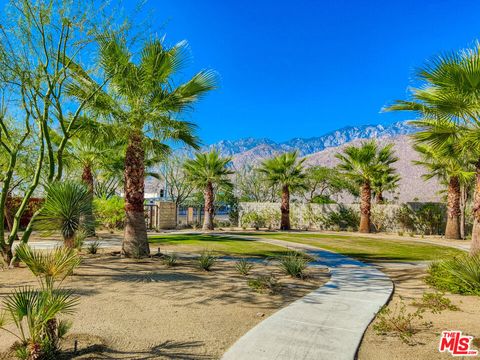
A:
(326, 324)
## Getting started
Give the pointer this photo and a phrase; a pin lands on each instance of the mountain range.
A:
(321, 150)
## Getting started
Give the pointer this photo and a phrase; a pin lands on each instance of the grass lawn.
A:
(221, 244)
(369, 249)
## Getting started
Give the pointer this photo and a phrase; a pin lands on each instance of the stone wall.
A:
(166, 218)
(313, 216)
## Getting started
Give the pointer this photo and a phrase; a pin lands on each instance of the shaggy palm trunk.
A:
(285, 209)
(452, 229)
(379, 198)
(135, 242)
(209, 207)
(365, 207)
(475, 247)
(88, 221)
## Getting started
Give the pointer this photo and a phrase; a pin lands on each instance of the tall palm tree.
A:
(448, 163)
(363, 164)
(66, 204)
(286, 171)
(207, 172)
(450, 94)
(144, 103)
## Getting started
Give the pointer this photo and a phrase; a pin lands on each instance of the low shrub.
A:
(436, 302)
(92, 248)
(264, 283)
(294, 264)
(253, 219)
(459, 275)
(399, 322)
(170, 260)
(342, 219)
(206, 260)
(110, 212)
(79, 239)
(243, 267)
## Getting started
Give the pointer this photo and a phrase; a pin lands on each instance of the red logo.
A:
(456, 344)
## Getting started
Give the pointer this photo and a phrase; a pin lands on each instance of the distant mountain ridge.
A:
(312, 145)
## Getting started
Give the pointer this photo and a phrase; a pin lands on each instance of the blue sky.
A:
(302, 68)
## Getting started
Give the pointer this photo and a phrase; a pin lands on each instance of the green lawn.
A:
(369, 249)
(221, 244)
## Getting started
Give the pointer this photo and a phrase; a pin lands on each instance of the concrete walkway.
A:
(327, 323)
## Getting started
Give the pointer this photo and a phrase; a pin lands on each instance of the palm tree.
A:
(384, 182)
(450, 95)
(207, 172)
(66, 204)
(286, 171)
(363, 164)
(450, 165)
(144, 102)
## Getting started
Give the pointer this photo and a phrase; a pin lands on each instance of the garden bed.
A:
(143, 309)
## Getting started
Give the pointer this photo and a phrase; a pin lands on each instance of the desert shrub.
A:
(400, 233)
(34, 312)
(459, 275)
(294, 264)
(110, 212)
(405, 217)
(430, 219)
(253, 219)
(92, 248)
(264, 283)
(170, 259)
(399, 322)
(272, 218)
(243, 267)
(206, 260)
(436, 302)
(381, 218)
(222, 223)
(344, 218)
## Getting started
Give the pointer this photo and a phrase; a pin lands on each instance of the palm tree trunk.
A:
(365, 207)
(452, 229)
(475, 247)
(69, 242)
(135, 242)
(209, 208)
(88, 220)
(285, 209)
(379, 198)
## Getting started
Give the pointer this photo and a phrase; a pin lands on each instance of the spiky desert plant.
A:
(34, 312)
(67, 203)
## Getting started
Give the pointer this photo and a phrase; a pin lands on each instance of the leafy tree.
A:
(363, 164)
(206, 172)
(249, 185)
(322, 183)
(287, 172)
(144, 102)
(39, 42)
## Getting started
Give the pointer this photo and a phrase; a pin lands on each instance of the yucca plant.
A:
(67, 204)
(294, 264)
(243, 267)
(34, 312)
(206, 260)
